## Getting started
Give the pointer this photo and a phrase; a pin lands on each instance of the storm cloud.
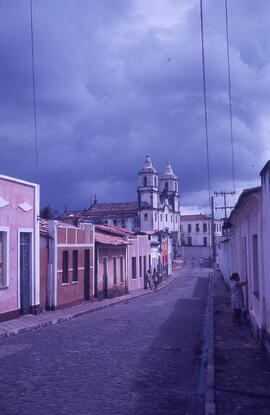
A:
(116, 80)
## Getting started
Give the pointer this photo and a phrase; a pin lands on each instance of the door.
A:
(105, 277)
(25, 271)
(87, 274)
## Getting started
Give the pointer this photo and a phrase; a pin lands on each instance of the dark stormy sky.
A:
(117, 79)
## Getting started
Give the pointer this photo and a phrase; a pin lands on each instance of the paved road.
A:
(141, 357)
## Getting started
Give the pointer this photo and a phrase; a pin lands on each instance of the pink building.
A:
(19, 248)
(68, 275)
(111, 262)
(139, 261)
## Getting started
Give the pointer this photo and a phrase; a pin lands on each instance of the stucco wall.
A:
(12, 219)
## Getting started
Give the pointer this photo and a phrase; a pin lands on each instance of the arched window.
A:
(145, 181)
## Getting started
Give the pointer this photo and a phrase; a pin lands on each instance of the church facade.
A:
(157, 207)
(158, 199)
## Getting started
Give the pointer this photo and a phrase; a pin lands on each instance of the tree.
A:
(48, 213)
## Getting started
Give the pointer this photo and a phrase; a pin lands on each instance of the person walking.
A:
(155, 278)
(148, 279)
(237, 298)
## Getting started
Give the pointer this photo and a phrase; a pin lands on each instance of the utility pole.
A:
(213, 238)
(224, 195)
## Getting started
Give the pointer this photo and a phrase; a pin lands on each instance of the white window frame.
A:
(5, 230)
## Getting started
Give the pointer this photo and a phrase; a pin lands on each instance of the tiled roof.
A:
(114, 207)
(103, 211)
(106, 239)
(245, 193)
(113, 230)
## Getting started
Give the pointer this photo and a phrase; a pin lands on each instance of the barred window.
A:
(65, 267)
(121, 269)
(75, 266)
(114, 271)
(3, 259)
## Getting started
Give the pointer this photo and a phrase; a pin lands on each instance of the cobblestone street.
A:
(139, 357)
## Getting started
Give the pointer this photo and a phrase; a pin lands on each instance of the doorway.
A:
(25, 271)
(105, 277)
(87, 274)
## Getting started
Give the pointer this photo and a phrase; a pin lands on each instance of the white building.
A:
(196, 230)
(158, 200)
(247, 252)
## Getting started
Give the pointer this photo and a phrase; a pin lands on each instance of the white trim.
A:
(74, 245)
(6, 255)
(92, 227)
(36, 252)
(13, 179)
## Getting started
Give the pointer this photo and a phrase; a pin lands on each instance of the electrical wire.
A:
(230, 92)
(205, 103)
(34, 91)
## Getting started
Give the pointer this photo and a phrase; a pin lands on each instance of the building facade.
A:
(247, 251)
(70, 268)
(19, 247)
(196, 230)
(158, 200)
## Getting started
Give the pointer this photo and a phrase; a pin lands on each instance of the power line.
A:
(34, 90)
(230, 91)
(205, 103)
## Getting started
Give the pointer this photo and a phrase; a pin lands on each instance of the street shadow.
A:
(166, 380)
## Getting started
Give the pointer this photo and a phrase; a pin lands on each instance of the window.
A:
(205, 227)
(75, 266)
(166, 216)
(171, 218)
(189, 227)
(145, 216)
(189, 241)
(114, 271)
(180, 227)
(65, 267)
(140, 266)
(160, 216)
(175, 186)
(175, 218)
(197, 227)
(155, 216)
(134, 267)
(3, 259)
(205, 241)
(145, 181)
(123, 223)
(121, 269)
(155, 181)
(255, 265)
(115, 222)
(215, 227)
(167, 186)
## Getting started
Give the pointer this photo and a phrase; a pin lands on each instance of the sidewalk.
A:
(242, 373)
(30, 322)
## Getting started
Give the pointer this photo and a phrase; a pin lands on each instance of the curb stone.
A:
(55, 320)
(210, 408)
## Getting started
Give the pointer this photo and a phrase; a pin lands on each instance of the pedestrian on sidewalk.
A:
(237, 299)
(148, 279)
(155, 277)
